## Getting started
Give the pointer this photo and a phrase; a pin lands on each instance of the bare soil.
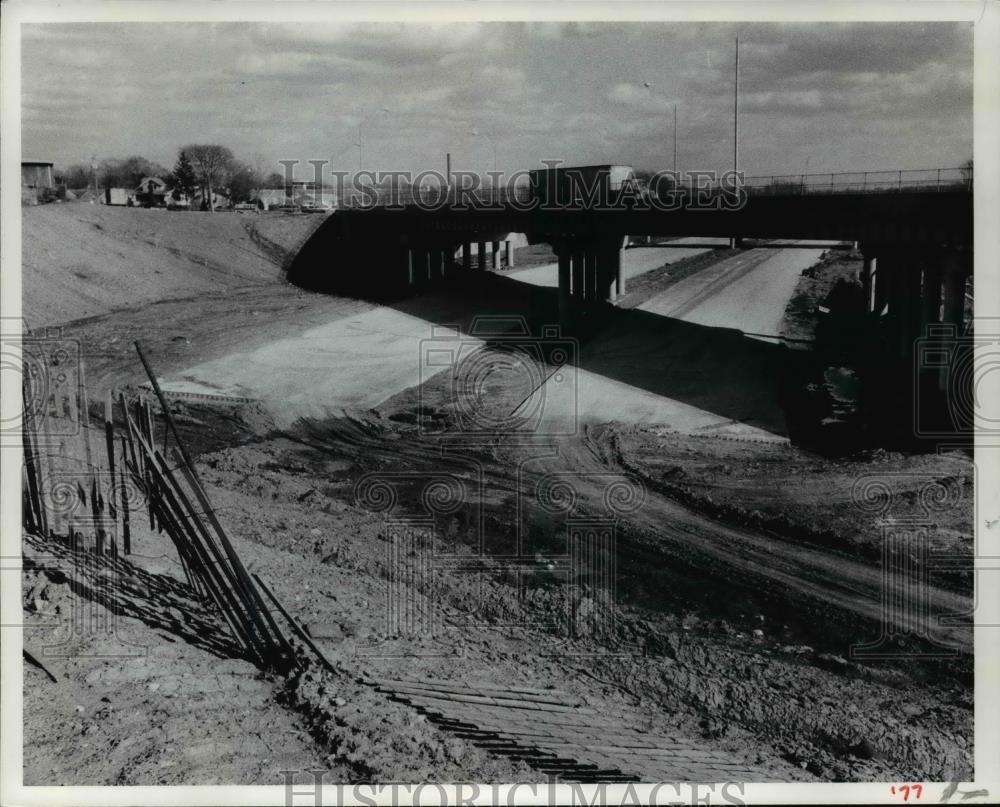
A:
(733, 618)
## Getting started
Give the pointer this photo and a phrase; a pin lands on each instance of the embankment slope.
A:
(82, 260)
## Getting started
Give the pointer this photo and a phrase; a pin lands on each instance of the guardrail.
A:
(874, 182)
(938, 179)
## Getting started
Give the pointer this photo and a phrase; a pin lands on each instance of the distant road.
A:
(748, 291)
(635, 262)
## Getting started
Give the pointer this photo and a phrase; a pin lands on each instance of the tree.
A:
(243, 181)
(75, 176)
(967, 168)
(211, 165)
(183, 179)
(274, 181)
(128, 173)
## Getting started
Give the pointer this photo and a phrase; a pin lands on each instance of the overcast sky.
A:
(818, 97)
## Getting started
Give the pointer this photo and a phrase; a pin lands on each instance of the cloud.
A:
(876, 92)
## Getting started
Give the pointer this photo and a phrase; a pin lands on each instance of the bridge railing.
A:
(869, 182)
(933, 179)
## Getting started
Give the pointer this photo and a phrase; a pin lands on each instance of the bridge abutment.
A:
(915, 299)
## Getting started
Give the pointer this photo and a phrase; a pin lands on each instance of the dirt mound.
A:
(83, 260)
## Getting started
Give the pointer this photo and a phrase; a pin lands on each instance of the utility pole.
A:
(735, 241)
(736, 109)
(675, 138)
(448, 170)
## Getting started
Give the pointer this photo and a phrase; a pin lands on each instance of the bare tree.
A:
(967, 170)
(211, 165)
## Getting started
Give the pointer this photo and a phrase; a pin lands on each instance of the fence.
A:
(868, 182)
(930, 179)
(92, 499)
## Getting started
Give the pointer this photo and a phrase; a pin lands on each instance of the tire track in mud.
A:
(664, 535)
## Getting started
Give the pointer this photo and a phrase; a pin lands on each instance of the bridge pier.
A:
(466, 256)
(590, 268)
(496, 255)
(576, 285)
(482, 256)
(509, 249)
(411, 268)
(565, 296)
(915, 300)
(619, 259)
(589, 273)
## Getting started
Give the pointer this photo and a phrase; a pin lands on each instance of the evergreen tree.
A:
(183, 178)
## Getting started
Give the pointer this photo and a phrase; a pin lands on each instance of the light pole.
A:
(360, 144)
(675, 138)
(649, 86)
(491, 141)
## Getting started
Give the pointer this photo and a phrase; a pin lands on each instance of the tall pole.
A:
(735, 241)
(736, 109)
(447, 159)
(675, 138)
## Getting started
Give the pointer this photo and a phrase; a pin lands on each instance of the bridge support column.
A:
(565, 288)
(441, 256)
(411, 268)
(931, 292)
(509, 249)
(482, 256)
(868, 281)
(954, 290)
(576, 283)
(428, 265)
(590, 274)
(954, 269)
(496, 255)
(892, 269)
(910, 266)
(619, 260)
(466, 256)
(880, 285)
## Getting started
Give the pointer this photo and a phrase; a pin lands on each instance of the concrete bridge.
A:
(916, 239)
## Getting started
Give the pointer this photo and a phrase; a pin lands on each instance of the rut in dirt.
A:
(668, 555)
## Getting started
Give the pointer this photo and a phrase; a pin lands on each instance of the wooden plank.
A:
(498, 694)
(258, 609)
(511, 703)
(305, 637)
(32, 460)
(126, 515)
(219, 577)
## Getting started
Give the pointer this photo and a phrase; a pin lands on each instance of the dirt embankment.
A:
(83, 260)
(701, 660)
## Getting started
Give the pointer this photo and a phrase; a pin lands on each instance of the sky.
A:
(813, 97)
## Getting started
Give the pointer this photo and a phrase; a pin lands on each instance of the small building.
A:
(267, 198)
(151, 192)
(36, 174)
(116, 196)
(37, 184)
(199, 201)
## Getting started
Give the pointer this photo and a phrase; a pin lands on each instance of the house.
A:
(200, 201)
(151, 192)
(178, 200)
(116, 196)
(266, 199)
(37, 184)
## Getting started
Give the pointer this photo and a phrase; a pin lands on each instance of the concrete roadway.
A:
(700, 377)
(635, 262)
(636, 370)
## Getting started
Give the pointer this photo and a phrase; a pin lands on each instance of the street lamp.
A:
(360, 143)
(477, 133)
(649, 86)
